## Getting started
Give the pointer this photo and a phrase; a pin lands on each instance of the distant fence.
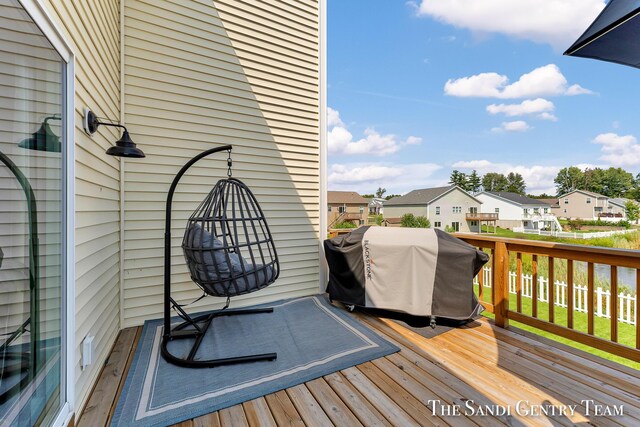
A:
(627, 303)
(571, 235)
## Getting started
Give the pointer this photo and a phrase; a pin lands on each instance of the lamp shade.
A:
(42, 140)
(125, 147)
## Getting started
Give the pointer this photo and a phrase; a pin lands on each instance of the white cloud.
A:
(539, 108)
(542, 81)
(547, 116)
(413, 140)
(554, 22)
(619, 150)
(539, 179)
(341, 140)
(515, 126)
(333, 118)
(486, 85)
(396, 178)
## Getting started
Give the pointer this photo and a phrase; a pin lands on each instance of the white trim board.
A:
(323, 144)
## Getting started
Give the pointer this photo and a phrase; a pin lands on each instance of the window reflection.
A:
(31, 178)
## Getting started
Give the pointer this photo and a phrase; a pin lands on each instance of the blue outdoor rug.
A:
(312, 339)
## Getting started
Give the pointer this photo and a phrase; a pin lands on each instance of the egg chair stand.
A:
(227, 225)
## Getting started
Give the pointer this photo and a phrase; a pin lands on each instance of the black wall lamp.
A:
(124, 147)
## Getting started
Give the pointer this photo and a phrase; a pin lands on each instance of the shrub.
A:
(412, 221)
(379, 219)
(575, 224)
(345, 224)
(624, 223)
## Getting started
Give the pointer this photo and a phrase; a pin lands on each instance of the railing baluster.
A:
(590, 297)
(534, 284)
(500, 272)
(481, 284)
(570, 294)
(492, 278)
(614, 303)
(552, 290)
(519, 282)
(638, 308)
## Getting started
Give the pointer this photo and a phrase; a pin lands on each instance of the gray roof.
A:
(588, 193)
(516, 198)
(345, 197)
(620, 201)
(419, 197)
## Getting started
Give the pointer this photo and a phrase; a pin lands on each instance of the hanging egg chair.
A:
(229, 251)
(227, 244)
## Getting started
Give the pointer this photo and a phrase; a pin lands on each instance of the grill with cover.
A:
(421, 272)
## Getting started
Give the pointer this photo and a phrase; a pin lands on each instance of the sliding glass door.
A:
(32, 221)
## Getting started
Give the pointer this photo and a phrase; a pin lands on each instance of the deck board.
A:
(480, 363)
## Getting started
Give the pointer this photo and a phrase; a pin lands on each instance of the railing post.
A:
(501, 284)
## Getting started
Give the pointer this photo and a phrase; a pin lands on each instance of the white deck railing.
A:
(627, 303)
(571, 235)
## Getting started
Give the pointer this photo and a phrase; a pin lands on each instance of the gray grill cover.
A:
(422, 272)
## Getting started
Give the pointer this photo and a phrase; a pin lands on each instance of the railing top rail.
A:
(596, 254)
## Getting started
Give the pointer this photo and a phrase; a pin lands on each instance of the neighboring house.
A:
(376, 206)
(183, 76)
(449, 206)
(580, 204)
(392, 222)
(554, 205)
(515, 210)
(346, 206)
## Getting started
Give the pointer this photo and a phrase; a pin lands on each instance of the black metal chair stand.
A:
(229, 251)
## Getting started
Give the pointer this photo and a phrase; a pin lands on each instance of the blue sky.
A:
(404, 80)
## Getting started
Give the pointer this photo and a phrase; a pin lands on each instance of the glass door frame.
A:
(42, 18)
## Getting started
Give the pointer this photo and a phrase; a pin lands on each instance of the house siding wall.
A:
(92, 29)
(578, 206)
(396, 211)
(446, 216)
(200, 74)
(446, 204)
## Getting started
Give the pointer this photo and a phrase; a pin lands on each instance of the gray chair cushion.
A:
(218, 275)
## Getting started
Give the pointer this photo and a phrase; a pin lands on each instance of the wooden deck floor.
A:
(478, 366)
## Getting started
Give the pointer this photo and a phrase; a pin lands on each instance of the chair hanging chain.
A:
(229, 163)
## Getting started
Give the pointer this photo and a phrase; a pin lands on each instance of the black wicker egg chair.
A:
(229, 251)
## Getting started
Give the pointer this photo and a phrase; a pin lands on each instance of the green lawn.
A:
(625, 241)
(626, 333)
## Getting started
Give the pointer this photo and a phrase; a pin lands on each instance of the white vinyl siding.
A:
(92, 28)
(201, 74)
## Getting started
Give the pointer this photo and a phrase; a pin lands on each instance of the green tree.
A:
(474, 182)
(617, 182)
(411, 221)
(458, 178)
(594, 180)
(380, 192)
(494, 182)
(633, 210)
(516, 184)
(391, 196)
(569, 179)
